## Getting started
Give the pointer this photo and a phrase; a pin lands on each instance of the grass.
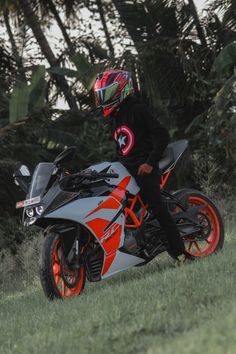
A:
(153, 309)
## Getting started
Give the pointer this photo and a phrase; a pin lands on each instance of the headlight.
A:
(39, 210)
(31, 221)
(30, 212)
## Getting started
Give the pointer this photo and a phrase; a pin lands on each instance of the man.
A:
(141, 141)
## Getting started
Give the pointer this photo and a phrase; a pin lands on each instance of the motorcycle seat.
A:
(172, 154)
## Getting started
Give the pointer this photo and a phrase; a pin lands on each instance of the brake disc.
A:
(69, 275)
(205, 225)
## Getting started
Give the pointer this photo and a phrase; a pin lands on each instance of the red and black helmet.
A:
(111, 88)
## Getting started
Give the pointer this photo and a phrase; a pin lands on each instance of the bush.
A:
(20, 268)
(12, 234)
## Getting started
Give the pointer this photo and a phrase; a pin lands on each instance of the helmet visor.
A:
(106, 94)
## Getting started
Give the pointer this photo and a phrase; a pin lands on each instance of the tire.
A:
(54, 272)
(214, 239)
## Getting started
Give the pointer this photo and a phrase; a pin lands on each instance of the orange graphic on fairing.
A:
(110, 203)
(120, 190)
(110, 238)
(108, 262)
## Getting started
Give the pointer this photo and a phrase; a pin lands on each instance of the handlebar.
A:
(96, 175)
(75, 179)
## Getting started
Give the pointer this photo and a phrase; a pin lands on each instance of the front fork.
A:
(73, 257)
(70, 235)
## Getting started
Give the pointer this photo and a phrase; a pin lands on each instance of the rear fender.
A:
(182, 196)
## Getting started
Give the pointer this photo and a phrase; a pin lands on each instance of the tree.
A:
(15, 51)
(102, 16)
(197, 22)
(138, 22)
(34, 24)
(49, 5)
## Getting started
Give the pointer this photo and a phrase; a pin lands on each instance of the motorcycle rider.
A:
(141, 141)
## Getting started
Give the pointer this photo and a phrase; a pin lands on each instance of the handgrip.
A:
(106, 175)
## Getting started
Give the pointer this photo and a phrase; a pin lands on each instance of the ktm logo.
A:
(124, 138)
(110, 232)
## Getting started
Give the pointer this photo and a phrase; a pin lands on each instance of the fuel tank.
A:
(124, 178)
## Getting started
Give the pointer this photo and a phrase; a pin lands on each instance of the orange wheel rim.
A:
(62, 288)
(205, 247)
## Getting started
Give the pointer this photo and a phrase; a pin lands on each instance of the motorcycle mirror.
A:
(65, 155)
(24, 171)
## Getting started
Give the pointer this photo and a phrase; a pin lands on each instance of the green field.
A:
(153, 309)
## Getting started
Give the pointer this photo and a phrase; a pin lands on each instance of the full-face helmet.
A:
(111, 88)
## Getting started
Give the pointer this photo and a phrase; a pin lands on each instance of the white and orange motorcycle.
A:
(94, 220)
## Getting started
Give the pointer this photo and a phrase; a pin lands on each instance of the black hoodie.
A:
(140, 138)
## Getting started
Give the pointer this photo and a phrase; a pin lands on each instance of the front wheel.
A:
(211, 237)
(57, 278)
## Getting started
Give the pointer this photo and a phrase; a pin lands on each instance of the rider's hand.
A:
(145, 169)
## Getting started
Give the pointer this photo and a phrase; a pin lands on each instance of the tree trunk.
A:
(136, 20)
(197, 23)
(54, 11)
(34, 24)
(108, 38)
(15, 52)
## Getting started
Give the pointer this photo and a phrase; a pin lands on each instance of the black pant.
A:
(151, 194)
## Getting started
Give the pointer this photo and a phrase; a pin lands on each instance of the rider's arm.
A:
(158, 135)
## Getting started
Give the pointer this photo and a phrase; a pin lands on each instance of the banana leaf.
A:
(63, 71)
(55, 139)
(18, 106)
(37, 90)
(86, 71)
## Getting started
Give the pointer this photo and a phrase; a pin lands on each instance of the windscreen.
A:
(40, 179)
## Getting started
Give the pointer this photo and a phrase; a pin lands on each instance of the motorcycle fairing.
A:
(96, 214)
(120, 262)
(124, 175)
(111, 241)
(86, 209)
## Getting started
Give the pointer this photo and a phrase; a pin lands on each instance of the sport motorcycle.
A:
(96, 224)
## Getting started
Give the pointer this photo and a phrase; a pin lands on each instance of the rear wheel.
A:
(211, 237)
(57, 278)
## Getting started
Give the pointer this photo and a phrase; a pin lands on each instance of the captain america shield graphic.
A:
(124, 138)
